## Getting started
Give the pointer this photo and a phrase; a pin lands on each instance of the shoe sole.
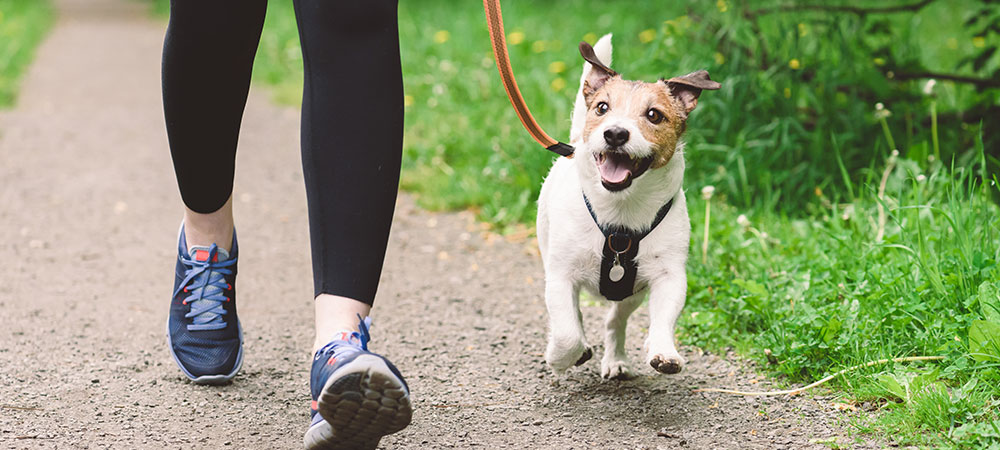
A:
(360, 403)
(212, 380)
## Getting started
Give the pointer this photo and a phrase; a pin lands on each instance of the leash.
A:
(494, 20)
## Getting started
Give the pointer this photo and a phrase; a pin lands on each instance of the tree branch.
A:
(860, 11)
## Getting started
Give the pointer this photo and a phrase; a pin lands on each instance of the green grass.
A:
(793, 142)
(23, 24)
(819, 293)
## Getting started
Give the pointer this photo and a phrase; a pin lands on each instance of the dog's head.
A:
(634, 126)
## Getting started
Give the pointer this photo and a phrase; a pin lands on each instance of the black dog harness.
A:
(618, 266)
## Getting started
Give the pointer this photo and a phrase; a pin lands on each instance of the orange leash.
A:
(494, 20)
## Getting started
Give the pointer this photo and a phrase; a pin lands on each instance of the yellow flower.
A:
(794, 64)
(538, 46)
(557, 67)
(647, 36)
(879, 61)
(979, 42)
(803, 31)
(407, 100)
(719, 58)
(558, 84)
(788, 93)
(590, 38)
(723, 5)
(442, 36)
(515, 38)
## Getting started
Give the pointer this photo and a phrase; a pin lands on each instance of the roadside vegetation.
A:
(23, 24)
(852, 155)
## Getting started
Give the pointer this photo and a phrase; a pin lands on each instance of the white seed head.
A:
(707, 191)
(921, 178)
(929, 87)
(894, 153)
(742, 221)
(879, 106)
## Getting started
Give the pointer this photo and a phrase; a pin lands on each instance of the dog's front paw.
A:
(669, 365)
(561, 354)
(615, 369)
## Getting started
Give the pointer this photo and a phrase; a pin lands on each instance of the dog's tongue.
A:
(616, 168)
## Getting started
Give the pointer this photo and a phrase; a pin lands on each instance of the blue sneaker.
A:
(203, 331)
(357, 396)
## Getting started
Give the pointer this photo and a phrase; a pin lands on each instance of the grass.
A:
(846, 252)
(23, 24)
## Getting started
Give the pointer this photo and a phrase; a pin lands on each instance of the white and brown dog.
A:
(623, 188)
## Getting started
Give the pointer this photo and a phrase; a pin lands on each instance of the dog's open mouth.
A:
(619, 169)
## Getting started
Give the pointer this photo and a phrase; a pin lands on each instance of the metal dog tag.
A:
(617, 272)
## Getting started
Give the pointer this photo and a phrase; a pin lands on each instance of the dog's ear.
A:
(687, 88)
(598, 75)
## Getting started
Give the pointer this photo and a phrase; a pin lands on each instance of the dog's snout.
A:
(616, 136)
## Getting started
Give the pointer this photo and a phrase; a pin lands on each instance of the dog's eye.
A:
(602, 108)
(654, 116)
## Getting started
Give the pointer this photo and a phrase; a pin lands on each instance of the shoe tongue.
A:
(200, 253)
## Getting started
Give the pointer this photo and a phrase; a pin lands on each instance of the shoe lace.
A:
(206, 282)
(352, 341)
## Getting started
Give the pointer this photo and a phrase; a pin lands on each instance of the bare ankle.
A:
(335, 314)
(212, 228)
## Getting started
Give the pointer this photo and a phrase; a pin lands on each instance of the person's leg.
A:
(208, 54)
(352, 136)
(352, 125)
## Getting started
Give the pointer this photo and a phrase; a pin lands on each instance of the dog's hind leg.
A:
(567, 346)
(614, 364)
(666, 298)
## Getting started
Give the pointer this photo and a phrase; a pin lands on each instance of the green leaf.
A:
(989, 301)
(984, 340)
(892, 385)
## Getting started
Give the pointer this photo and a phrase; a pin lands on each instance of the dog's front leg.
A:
(614, 364)
(666, 298)
(567, 346)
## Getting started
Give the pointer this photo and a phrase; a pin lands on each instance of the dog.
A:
(622, 188)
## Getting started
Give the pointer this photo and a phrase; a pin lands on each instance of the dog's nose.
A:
(616, 136)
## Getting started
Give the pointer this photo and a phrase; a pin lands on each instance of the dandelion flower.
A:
(979, 42)
(794, 64)
(647, 36)
(881, 112)
(929, 87)
(719, 58)
(557, 67)
(538, 46)
(408, 100)
(558, 84)
(722, 5)
(707, 191)
(442, 36)
(515, 38)
(591, 38)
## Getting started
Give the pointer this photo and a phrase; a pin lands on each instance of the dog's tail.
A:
(603, 51)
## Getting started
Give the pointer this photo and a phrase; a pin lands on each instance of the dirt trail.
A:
(89, 212)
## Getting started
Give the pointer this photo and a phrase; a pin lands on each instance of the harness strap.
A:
(619, 269)
(620, 230)
(494, 20)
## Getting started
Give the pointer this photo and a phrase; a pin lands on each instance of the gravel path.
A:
(88, 216)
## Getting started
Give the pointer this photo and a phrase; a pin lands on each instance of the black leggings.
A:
(352, 121)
